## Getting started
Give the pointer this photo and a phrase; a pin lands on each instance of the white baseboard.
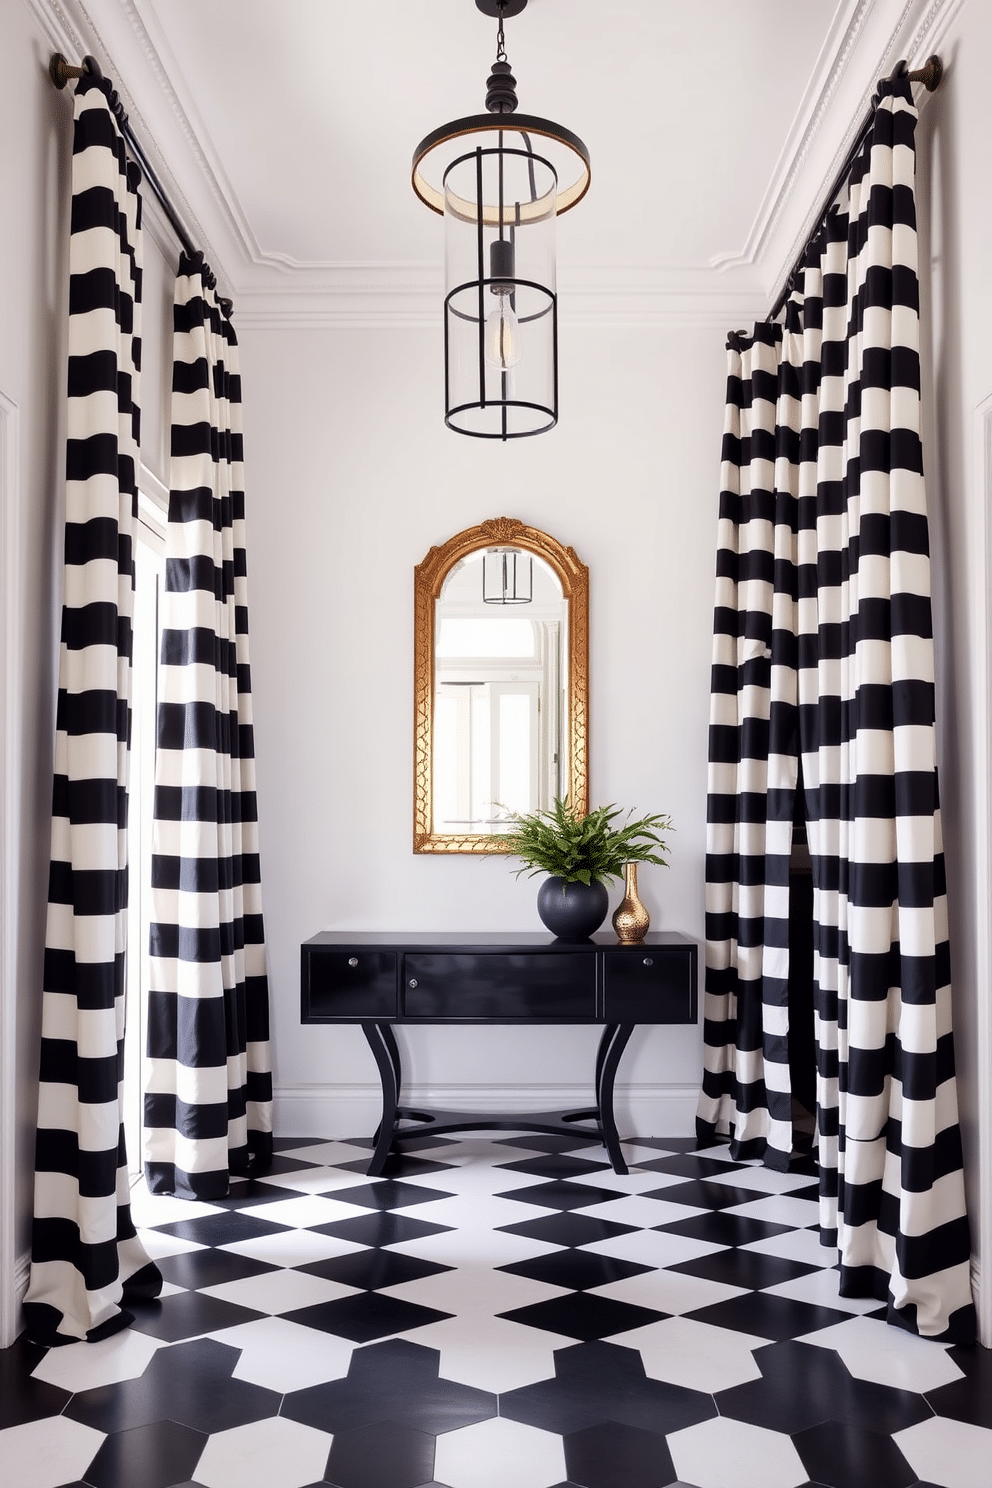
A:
(351, 1110)
(12, 1317)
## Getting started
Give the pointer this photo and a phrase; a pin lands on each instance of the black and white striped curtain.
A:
(86, 1258)
(208, 1101)
(823, 650)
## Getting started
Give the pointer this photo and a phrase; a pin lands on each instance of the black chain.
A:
(500, 39)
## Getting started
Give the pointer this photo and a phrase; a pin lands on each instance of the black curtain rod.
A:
(60, 71)
(930, 75)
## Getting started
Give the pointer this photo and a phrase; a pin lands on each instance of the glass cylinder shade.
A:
(500, 308)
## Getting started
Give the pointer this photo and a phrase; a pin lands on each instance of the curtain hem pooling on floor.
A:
(208, 1101)
(86, 1257)
(823, 650)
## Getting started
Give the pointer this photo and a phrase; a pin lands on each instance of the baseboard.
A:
(11, 1323)
(348, 1110)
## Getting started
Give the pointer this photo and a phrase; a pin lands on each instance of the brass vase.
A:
(630, 918)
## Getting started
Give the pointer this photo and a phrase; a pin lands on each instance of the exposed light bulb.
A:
(503, 348)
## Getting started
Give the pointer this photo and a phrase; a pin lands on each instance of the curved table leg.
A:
(382, 1042)
(611, 1047)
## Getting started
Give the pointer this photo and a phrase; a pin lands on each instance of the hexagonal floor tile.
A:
(495, 1453)
(84, 1366)
(47, 1453)
(950, 1453)
(840, 1455)
(154, 1456)
(874, 1350)
(284, 1356)
(603, 1456)
(696, 1355)
(492, 1353)
(274, 1453)
(761, 1458)
(381, 1456)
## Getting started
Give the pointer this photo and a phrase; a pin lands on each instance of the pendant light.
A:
(507, 577)
(500, 179)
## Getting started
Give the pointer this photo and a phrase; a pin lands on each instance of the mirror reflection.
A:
(501, 646)
(500, 657)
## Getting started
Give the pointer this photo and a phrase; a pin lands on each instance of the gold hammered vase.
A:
(630, 918)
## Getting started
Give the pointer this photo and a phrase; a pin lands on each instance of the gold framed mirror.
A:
(501, 684)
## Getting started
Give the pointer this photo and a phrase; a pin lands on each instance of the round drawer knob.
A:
(648, 960)
(352, 960)
(413, 981)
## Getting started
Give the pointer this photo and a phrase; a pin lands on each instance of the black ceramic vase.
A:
(572, 911)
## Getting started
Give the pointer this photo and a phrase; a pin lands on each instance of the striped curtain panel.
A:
(823, 652)
(86, 1258)
(208, 1101)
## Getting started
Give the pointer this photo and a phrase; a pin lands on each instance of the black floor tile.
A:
(676, 1144)
(577, 1269)
(410, 1143)
(379, 1228)
(704, 1194)
(373, 1269)
(389, 1193)
(575, 1398)
(556, 1165)
(724, 1228)
(205, 1268)
(396, 1381)
(690, 1165)
(285, 1162)
(570, 1228)
(612, 1455)
(365, 1316)
(803, 1386)
(383, 1455)
(968, 1399)
(539, 1142)
(188, 1315)
(840, 1456)
(286, 1144)
(189, 1383)
(398, 1165)
(581, 1315)
(244, 1193)
(744, 1268)
(152, 1456)
(22, 1398)
(225, 1228)
(777, 1318)
(562, 1195)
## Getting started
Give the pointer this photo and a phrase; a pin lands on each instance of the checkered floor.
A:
(498, 1314)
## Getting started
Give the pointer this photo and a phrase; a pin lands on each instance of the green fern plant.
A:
(582, 849)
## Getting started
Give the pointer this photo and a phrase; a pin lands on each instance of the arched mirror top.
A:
(501, 646)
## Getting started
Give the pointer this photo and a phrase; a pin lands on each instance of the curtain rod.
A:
(930, 75)
(60, 71)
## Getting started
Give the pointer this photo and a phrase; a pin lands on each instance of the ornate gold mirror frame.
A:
(429, 578)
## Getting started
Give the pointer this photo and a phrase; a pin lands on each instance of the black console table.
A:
(381, 979)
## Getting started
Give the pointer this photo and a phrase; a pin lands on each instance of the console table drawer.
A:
(558, 987)
(645, 987)
(349, 984)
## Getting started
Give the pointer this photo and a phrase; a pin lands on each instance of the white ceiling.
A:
(284, 131)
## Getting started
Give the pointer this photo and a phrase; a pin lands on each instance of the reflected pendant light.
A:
(507, 576)
(500, 183)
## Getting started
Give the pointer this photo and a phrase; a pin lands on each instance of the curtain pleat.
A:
(208, 1097)
(823, 650)
(86, 1258)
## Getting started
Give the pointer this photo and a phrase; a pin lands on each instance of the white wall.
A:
(351, 477)
(956, 228)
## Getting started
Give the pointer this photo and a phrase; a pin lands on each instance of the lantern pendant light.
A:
(500, 179)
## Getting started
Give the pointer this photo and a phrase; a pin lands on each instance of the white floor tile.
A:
(947, 1452)
(84, 1366)
(637, 1210)
(473, 1178)
(474, 1290)
(491, 1353)
(695, 1355)
(796, 1245)
(653, 1247)
(475, 1211)
(157, 1244)
(779, 1209)
(632, 1151)
(279, 1291)
(284, 1356)
(474, 1247)
(765, 1180)
(668, 1291)
(328, 1153)
(313, 1209)
(820, 1288)
(293, 1247)
(159, 1209)
(721, 1453)
(47, 1453)
(276, 1453)
(314, 1180)
(498, 1453)
(634, 1182)
(872, 1350)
